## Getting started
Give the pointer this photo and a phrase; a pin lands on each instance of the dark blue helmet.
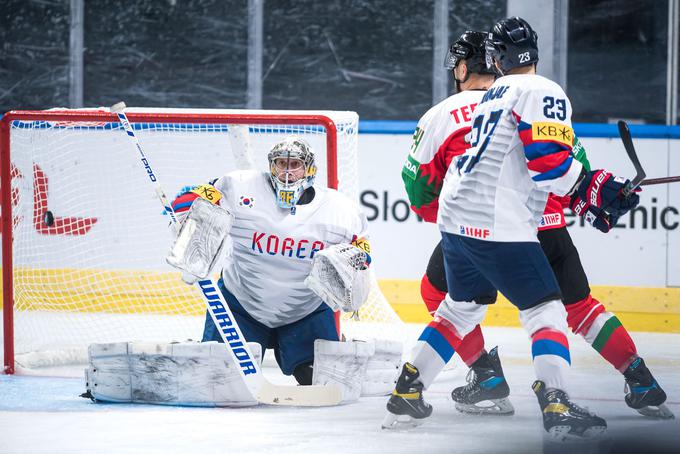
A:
(469, 47)
(511, 43)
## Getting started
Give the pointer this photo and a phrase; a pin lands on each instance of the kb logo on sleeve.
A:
(554, 132)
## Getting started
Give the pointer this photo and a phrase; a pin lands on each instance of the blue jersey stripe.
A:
(554, 173)
(540, 149)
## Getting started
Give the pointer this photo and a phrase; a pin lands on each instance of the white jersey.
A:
(521, 141)
(437, 140)
(272, 248)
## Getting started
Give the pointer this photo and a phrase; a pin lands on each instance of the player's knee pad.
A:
(358, 367)
(548, 315)
(582, 314)
(193, 374)
(463, 315)
(431, 295)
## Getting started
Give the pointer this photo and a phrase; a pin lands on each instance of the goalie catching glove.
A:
(203, 233)
(340, 276)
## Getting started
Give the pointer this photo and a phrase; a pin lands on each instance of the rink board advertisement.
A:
(65, 222)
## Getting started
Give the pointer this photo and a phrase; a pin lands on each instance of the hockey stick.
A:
(661, 180)
(640, 174)
(260, 388)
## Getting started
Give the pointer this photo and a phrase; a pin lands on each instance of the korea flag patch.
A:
(246, 201)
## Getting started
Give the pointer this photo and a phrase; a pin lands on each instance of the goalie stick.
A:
(640, 174)
(261, 389)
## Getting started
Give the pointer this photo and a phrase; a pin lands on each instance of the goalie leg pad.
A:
(201, 239)
(190, 374)
(382, 368)
(342, 363)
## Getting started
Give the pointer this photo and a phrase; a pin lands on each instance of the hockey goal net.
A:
(85, 258)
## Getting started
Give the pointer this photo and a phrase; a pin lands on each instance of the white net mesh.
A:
(90, 237)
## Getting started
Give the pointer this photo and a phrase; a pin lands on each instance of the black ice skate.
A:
(487, 390)
(406, 407)
(643, 393)
(564, 420)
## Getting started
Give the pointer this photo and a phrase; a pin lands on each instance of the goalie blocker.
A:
(204, 374)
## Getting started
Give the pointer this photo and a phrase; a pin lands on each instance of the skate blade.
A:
(562, 434)
(660, 412)
(499, 407)
(400, 422)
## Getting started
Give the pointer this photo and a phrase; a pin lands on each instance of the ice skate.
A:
(406, 407)
(487, 390)
(643, 393)
(564, 420)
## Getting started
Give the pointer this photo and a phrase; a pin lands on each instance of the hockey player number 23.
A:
(477, 132)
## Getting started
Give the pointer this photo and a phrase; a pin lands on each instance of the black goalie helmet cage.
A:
(469, 47)
(512, 43)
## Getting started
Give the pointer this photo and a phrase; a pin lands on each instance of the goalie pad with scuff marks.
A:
(360, 367)
(340, 277)
(188, 374)
(201, 239)
(343, 364)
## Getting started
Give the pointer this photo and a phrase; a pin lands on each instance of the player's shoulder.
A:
(453, 102)
(530, 83)
(244, 176)
(240, 178)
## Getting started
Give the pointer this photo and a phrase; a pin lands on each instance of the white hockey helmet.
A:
(291, 169)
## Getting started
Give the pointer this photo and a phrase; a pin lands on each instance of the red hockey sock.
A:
(472, 346)
(603, 331)
(432, 296)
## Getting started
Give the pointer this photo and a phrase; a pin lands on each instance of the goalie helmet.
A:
(292, 169)
(511, 43)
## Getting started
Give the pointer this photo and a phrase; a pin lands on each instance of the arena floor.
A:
(43, 414)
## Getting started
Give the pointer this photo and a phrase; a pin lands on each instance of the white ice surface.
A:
(41, 414)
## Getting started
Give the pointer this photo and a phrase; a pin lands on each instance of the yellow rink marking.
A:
(638, 308)
(130, 291)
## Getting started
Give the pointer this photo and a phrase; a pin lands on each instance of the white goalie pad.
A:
(382, 369)
(201, 239)
(360, 368)
(188, 374)
(340, 277)
(341, 363)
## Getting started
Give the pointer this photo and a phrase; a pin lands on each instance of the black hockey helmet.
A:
(512, 43)
(469, 47)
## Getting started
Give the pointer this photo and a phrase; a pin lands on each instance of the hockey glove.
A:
(183, 202)
(603, 190)
(600, 220)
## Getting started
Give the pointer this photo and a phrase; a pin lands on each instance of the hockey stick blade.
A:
(662, 180)
(640, 174)
(301, 396)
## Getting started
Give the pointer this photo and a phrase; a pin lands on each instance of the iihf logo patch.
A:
(246, 201)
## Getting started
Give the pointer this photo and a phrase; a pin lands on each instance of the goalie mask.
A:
(292, 170)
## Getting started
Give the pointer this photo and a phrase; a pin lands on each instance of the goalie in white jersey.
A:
(281, 223)
(490, 207)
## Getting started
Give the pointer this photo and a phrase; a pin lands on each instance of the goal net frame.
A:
(138, 116)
